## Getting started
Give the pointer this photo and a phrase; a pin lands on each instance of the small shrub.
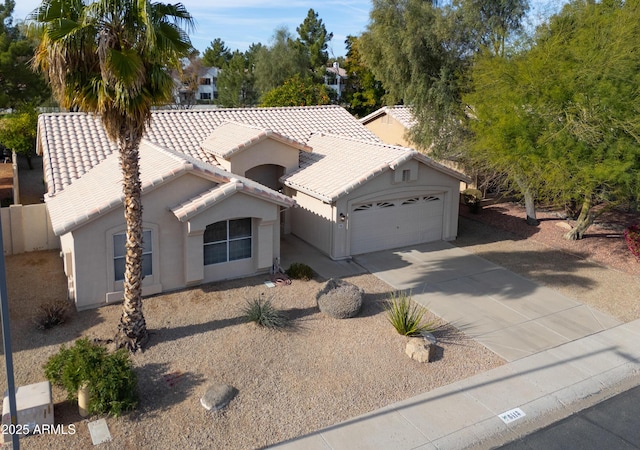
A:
(340, 299)
(109, 376)
(632, 238)
(473, 199)
(299, 271)
(406, 316)
(51, 314)
(264, 314)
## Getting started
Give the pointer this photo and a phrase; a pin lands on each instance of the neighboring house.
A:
(335, 79)
(392, 125)
(198, 88)
(220, 187)
(207, 84)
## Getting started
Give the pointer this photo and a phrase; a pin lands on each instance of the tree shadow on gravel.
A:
(160, 386)
(473, 231)
(168, 334)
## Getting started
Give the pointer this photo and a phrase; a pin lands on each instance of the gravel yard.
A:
(320, 373)
(290, 383)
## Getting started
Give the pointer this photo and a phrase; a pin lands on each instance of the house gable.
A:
(238, 148)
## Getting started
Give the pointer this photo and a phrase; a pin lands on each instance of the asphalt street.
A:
(610, 425)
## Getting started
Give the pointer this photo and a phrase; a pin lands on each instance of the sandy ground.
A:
(290, 383)
(598, 270)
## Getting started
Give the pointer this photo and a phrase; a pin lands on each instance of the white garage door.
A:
(380, 225)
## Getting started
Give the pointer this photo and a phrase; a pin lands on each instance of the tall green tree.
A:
(235, 83)
(112, 58)
(314, 40)
(217, 54)
(280, 61)
(18, 131)
(578, 89)
(422, 53)
(18, 83)
(506, 126)
(297, 91)
(362, 92)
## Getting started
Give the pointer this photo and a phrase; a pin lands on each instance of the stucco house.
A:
(220, 187)
(391, 124)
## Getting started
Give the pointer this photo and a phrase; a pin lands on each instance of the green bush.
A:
(109, 376)
(406, 316)
(473, 199)
(264, 314)
(299, 271)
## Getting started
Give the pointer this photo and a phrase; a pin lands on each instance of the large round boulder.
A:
(340, 299)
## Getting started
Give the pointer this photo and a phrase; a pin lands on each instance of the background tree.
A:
(216, 54)
(297, 91)
(235, 83)
(362, 93)
(422, 54)
(279, 62)
(314, 39)
(112, 58)
(18, 83)
(18, 131)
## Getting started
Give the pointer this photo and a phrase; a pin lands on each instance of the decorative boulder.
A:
(340, 299)
(419, 350)
(218, 396)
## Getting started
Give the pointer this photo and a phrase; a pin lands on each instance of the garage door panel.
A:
(388, 224)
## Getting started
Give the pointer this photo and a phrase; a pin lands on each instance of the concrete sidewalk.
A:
(466, 413)
(559, 352)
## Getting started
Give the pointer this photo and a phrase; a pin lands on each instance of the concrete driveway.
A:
(511, 315)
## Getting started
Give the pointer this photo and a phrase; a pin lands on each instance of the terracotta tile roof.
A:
(100, 190)
(337, 165)
(401, 113)
(232, 137)
(73, 143)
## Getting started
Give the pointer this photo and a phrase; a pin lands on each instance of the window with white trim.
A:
(119, 253)
(228, 240)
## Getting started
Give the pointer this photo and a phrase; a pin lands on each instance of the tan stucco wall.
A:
(92, 244)
(268, 151)
(388, 185)
(389, 130)
(319, 224)
(311, 220)
(392, 132)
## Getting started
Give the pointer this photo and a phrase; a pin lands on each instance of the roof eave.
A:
(441, 167)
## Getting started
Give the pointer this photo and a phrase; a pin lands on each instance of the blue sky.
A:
(239, 23)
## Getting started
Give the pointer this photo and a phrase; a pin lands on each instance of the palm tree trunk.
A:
(132, 329)
(585, 220)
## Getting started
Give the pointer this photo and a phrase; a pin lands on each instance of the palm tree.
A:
(113, 58)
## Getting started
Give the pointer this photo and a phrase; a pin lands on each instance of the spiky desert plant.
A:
(262, 312)
(406, 316)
